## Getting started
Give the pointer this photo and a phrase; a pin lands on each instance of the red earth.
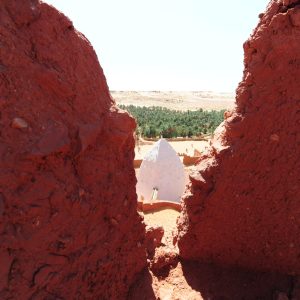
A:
(67, 183)
(242, 206)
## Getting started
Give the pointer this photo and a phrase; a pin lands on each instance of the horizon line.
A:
(156, 91)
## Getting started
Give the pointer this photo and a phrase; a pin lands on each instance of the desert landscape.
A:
(71, 226)
(176, 100)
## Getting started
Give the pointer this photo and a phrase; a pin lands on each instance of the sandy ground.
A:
(166, 218)
(189, 100)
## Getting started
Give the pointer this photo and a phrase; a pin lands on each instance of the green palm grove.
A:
(159, 121)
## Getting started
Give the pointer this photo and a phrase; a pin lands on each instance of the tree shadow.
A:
(220, 283)
(142, 287)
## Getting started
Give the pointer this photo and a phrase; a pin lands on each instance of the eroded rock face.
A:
(242, 206)
(69, 228)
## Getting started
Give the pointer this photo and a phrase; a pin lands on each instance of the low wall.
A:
(157, 205)
(180, 139)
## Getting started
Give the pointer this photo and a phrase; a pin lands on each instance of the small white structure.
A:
(161, 174)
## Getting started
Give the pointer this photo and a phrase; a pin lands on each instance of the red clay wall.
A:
(157, 205)
(242, 206)
(69, 227)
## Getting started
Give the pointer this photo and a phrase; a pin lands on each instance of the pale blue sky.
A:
(167, 44)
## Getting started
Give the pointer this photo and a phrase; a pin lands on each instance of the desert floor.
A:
(189, 100)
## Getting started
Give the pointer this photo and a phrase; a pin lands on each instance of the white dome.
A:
(161, 169)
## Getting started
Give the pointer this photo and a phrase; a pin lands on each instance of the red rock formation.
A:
(69, 227)
(243, 206)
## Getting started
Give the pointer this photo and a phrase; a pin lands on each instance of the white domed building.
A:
(161, 175)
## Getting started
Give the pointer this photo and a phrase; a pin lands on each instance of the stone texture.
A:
(163, 259)
(242, 206)
(69, 227)
(153, 237)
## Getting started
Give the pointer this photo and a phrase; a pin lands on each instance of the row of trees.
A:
(159, 121)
